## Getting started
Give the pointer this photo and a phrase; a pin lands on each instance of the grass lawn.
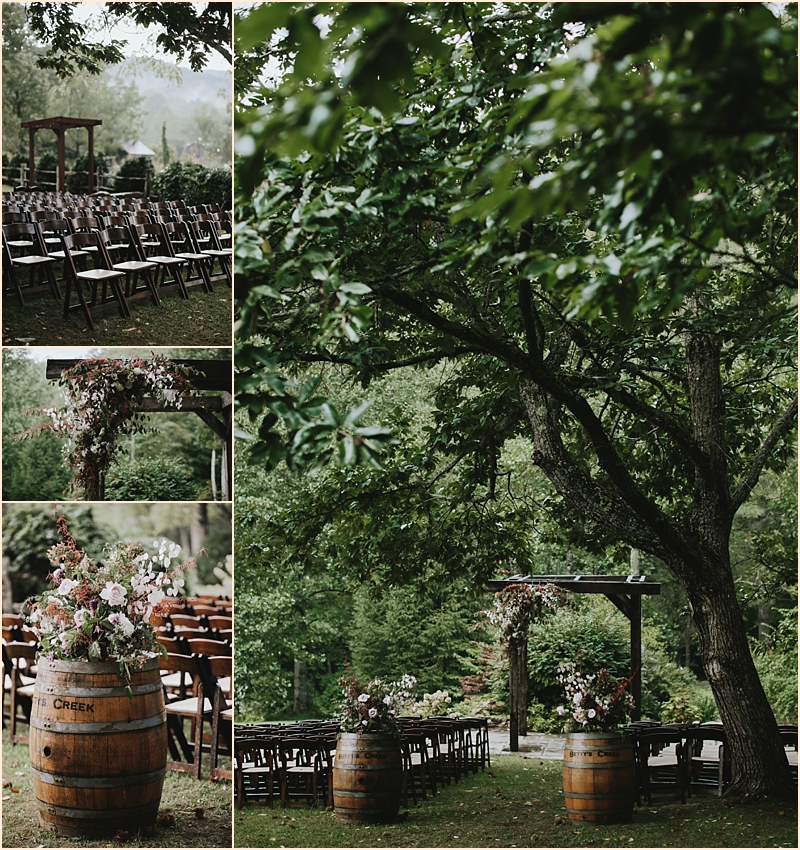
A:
(192, 814)
(519, 803)
(204, 319)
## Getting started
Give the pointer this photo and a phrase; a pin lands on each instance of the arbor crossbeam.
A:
(625, 592)
(216, 411)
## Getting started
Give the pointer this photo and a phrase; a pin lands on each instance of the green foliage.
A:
(32, 468)
(192, 183)
(688, 708)
(777, 665)
(184, 31)
(78, 181)
(150, 480)
(589, 634)
(46, 169)
(133, 174)
(418, 630)
(30, 530)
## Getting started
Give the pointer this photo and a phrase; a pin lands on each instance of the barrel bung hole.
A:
(47, 752)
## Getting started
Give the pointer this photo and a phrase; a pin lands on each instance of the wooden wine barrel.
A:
(599, 777)
(98, 756)
(367, 778)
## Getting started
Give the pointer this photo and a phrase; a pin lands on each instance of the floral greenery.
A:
(101, 612)
(596, 702)
(433, 705)
(516, 606)
(102, 400)
(372, 707)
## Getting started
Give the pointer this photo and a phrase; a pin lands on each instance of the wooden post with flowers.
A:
(105, 399)
(515, 606)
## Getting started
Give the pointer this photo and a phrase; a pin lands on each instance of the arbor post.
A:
(518, 692)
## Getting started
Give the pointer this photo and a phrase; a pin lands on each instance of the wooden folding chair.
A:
(26, 237)
(103, 283)
(18, 680)
(196, 708)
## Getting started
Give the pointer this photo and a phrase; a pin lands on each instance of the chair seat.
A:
(134, 266)
(100, 274)
(32, 260)
(188, 706)
(60, 255)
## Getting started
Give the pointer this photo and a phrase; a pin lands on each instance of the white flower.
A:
(363, 698)
(174, 550)
(80, 617)
(387, 700)
(373, 712)
(66, 586)
(126, 625)
(155, 596)
(591, 713)
(114, 594)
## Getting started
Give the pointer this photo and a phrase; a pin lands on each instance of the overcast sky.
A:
(140, 41)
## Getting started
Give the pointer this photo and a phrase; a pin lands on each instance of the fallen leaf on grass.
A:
(199, 812)
(7, 784)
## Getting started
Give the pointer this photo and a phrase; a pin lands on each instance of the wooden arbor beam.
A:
(625, 592)
(216, 411)
(59, 125)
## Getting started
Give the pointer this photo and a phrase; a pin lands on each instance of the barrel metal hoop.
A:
(99, 728)
(622, 794)
(135, 690)
(99, 782)
(605, 765)
(391, 793)
(97, 814)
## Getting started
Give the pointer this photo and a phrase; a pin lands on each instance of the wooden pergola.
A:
(215, 410)
(625, 592)
(59, 125)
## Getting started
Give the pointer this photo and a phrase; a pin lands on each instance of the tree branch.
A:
(782, 427)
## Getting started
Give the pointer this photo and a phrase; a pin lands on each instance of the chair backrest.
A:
(21, 655)
(14, 217)
(31, 233)
(204, 646)
(86, 224)
(54, 225)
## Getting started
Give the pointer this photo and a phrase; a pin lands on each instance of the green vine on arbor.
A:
(103, 400)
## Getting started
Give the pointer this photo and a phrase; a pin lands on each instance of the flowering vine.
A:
(516, 606)
(103, 400)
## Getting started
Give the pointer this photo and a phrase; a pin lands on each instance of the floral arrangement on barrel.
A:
(103, 401)
(596, 702)
(101, 612)
(372, 707)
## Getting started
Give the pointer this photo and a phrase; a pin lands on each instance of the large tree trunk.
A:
(760, 765)
(695, 549)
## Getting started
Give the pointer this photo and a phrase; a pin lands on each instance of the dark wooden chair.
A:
(300, 770)
(121, 250)
(255, 771)
(19, 678)
(23, 249)
(197, 709)
(660, 762)
(183, 246)
(709, 766)
(103, 283)
(153, 246)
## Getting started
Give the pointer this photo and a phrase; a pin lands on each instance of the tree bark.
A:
(300, 701)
